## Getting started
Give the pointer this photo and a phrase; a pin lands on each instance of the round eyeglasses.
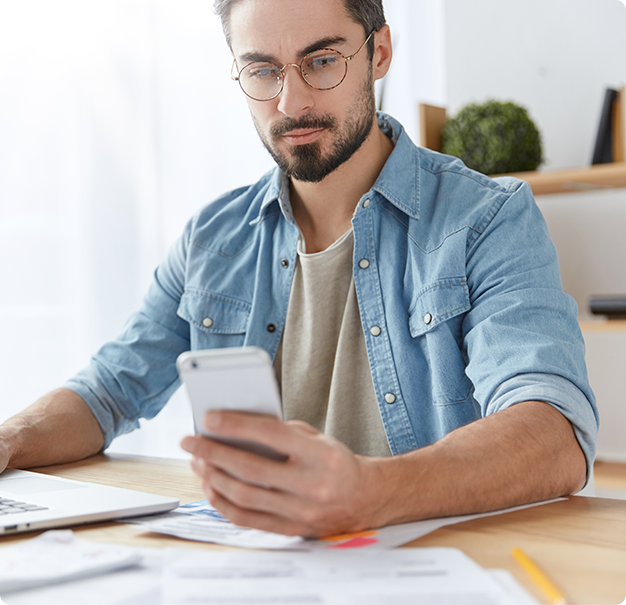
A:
(322, 69)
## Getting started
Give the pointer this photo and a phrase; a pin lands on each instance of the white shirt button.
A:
(364, 263)
(366, 203)
(376, 331)
(390, 398)
(428, 318)
(207, 322)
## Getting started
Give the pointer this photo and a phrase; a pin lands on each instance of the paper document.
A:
(403, 576)
(58, 556)
(183, 576)
(515, 593)
(201, 522)
(136, 585)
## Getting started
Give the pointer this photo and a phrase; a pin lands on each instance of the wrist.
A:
(11, 439)
(5, 450)
(404, 488)
(384, 494)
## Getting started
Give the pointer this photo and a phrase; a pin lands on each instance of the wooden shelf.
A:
(601, 176)
(603, 325)
(610, 475)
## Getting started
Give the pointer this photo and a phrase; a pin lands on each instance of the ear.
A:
(383, 52)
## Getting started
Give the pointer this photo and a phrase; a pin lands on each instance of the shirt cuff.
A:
(561, 394)
(112, 420)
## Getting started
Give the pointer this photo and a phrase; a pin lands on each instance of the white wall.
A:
(588, 231)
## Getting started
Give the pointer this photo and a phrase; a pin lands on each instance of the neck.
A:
(324, 210)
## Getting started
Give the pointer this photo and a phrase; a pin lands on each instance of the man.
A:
(430, 363)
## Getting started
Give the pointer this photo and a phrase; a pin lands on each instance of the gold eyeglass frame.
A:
(299, 66)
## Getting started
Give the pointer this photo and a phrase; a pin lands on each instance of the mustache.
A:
(289, 124)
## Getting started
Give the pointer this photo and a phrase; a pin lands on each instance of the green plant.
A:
(493, 138)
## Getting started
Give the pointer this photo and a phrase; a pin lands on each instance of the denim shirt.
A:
(456, 269)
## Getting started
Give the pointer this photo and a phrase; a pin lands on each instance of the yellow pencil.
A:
(539, 578)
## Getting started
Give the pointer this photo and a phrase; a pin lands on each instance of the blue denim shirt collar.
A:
(403, 193)
(404, 159)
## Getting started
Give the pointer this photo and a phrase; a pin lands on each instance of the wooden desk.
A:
(580, 544)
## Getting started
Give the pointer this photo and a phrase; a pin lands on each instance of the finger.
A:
(244, 465)
(252, 496)
(255, 519)
(270, 431)
(308, 499)
(305, 427)
(293, 518)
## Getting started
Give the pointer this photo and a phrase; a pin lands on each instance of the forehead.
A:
(281, 27)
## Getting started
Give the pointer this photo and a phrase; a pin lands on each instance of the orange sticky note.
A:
(357, 534)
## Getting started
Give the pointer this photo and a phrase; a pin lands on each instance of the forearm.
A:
(57, 428)
(523, 454)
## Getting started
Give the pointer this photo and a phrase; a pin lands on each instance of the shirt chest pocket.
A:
(215, 321)
(435, 322)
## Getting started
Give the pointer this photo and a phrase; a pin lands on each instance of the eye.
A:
(323, 61)
(262, 71)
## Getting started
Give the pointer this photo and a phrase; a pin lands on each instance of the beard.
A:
(308, 163)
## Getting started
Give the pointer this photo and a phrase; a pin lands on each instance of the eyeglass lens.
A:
(322, 69)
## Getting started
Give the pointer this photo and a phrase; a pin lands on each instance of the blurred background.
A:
(118, 121)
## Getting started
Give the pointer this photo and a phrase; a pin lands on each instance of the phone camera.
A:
(194, 365)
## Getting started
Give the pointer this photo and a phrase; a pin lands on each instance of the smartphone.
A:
(237, 379)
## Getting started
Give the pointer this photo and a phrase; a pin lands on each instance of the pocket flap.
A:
(438, 302)
(214, 313)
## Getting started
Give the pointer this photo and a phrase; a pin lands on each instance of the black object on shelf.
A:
(614, 307)
(603, 151)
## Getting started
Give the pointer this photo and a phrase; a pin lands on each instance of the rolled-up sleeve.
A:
(522, 335)
(561, 394)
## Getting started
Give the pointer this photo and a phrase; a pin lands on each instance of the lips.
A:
(303, 130)
(303, 136)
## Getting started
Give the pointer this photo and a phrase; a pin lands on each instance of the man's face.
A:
(308, 132)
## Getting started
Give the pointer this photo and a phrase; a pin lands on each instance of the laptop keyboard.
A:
(12, 507)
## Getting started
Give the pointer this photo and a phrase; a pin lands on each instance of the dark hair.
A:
(369, 13)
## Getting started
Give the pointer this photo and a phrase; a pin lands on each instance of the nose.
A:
(297, 96)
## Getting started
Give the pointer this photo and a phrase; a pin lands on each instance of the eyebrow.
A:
(327, 42)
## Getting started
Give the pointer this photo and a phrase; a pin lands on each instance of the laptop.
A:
(33, 501)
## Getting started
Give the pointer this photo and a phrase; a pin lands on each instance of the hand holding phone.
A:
(235, 379)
